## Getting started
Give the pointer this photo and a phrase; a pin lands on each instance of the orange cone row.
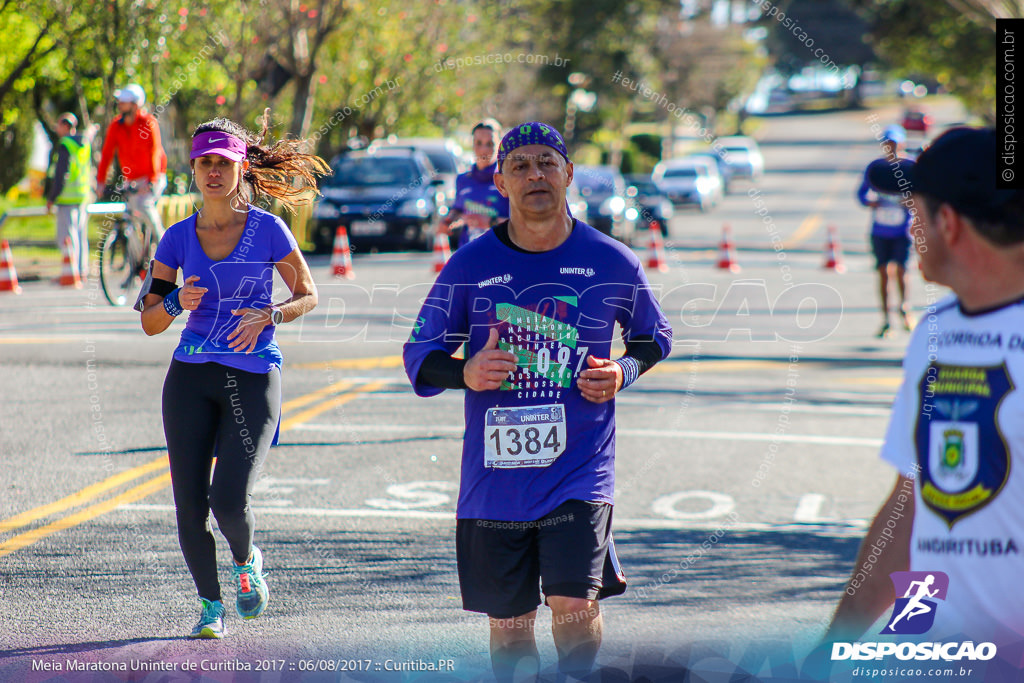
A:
(727, 252)
(442, 252)
(69, 276)
(8, 276)
(341, 259)
(833, 252)
(656, 249)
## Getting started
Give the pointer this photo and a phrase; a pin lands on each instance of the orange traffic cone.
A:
(833, 252)
(69, 276)
(8, 276)
(341, 260)
(656, 250)
(727, 252)
(442, 252)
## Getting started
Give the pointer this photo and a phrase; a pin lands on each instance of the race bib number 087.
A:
(531, 436)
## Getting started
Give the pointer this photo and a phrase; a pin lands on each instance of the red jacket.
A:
(138, 149)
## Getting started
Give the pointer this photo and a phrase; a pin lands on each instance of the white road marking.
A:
(721, 505)
(624, 431)
(849, 527)
(808, 510)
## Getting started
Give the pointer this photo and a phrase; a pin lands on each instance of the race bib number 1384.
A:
(531, 436)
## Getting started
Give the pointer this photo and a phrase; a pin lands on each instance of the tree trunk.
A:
(302, 105)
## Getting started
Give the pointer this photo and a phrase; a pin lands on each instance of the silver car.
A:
(742, 156)
(691, 180)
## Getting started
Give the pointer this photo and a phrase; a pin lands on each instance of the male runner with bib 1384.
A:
(536, 300)
(956, 434)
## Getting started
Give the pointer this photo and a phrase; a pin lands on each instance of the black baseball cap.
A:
(958, 168)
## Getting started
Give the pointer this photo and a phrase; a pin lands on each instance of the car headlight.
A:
(325, 210)
(414, 207)
(613, 206)
(632, 214)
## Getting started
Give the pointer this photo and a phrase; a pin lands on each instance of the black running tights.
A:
(211, 409)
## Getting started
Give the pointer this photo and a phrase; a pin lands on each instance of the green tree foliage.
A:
(937, 39)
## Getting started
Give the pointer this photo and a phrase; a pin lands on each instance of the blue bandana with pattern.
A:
(532, 133)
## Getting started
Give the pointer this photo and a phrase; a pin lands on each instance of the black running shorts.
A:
(504, 566)
(890, 250)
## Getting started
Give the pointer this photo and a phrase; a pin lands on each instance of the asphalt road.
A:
(759, 434)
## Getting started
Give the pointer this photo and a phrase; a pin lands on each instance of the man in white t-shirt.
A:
(956, 434)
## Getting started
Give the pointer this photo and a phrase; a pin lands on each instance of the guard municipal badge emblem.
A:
(963, 455)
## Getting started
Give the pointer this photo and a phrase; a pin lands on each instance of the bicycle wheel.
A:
(118, 271)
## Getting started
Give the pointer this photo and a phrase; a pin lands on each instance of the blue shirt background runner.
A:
(552, 309)
(244, 279)
(891, 218)
(475, 193)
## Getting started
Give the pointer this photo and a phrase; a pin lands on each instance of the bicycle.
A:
(125, 254)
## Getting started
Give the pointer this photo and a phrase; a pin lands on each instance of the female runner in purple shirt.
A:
(222, 394)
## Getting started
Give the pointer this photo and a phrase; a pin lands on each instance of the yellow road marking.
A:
(352, 364)
(331, 403)
(152, 486)
(806, 229)
(79, 497)
(314, 396)
(810, 224)
(129, 496)
(688, 366)
(875, 381)
(36, 340)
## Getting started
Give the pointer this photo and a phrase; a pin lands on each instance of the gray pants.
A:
(143, 202)
(73, 222)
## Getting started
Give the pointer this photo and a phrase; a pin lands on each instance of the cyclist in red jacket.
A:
(135, 137)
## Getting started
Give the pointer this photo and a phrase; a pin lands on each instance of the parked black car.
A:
(654, 205)
(608, 208)
(387, 199)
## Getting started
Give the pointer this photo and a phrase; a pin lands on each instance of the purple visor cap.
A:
(216, 142)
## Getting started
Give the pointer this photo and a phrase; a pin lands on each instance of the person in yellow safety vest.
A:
(69, 189)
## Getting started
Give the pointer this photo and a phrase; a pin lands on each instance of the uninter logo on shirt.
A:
(586, 272)
(497, 280)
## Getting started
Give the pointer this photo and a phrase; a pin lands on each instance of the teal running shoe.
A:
(211, 620)
(252, 591)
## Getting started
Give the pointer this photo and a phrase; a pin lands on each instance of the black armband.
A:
(441, 370)
(153, 285)
(162, 287)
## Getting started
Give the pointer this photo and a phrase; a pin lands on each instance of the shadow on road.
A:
(78, 648)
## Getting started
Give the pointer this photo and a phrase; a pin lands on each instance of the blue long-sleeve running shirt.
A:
(536, 442)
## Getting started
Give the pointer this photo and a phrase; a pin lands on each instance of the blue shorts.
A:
(890, 250)
(504, 566)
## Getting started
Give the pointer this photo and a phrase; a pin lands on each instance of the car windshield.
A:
(645, 187)
(370, 171)
(738, 149)
(595, 181)
(687, 172)
(442, 161)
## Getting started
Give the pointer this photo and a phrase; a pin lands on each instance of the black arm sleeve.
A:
(646, 352)
(442, 371)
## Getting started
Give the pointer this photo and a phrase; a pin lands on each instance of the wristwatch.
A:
(276, 316)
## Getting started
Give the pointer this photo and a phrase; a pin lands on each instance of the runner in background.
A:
(478, 205)
(890, 233)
